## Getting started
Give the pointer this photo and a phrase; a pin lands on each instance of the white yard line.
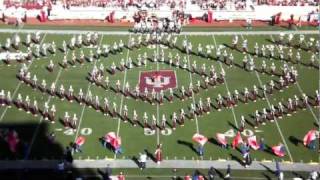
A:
(41, 119)
(84, 106)
(193, 99)
(56, 31)
(19, 84)
(275, 120)
(158, 131)
(122, 97)
(226, 84)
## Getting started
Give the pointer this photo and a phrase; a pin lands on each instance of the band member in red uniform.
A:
(182, 117)
(174, 120)
(127, 89)
(2, 98)
(135, 118)
(154, 122)
(220, 102)
(158, 154)
(230, 101)
(242, 124)
(125, 114)
(118, 86)
(8, 99)
(145, 120)
(114, 110)
(317, 99)
(52, 113)
(171, 95)
(34, 109)
(50, 66)
(70, 96)
(66, 120)
(161, 96)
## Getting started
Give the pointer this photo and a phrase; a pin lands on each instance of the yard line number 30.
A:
(150, 132)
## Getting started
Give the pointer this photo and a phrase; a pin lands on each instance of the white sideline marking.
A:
(19, 84)
(122, 97)
(276, 122)
(226, 84)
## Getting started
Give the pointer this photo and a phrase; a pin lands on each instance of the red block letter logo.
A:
(157, 80)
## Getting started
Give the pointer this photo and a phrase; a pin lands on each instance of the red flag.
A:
(113, 140)
(310, 136)
(221, 138)
(279, 150)
(80, 140)
(252, 141)
(110, 135)
(201, 139)
(117, 142)
(237, 140)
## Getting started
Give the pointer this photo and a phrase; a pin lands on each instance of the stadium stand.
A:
(179, 12)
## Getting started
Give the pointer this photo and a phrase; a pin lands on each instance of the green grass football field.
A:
(177, 144)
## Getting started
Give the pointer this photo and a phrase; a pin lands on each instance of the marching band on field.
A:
(287, 75)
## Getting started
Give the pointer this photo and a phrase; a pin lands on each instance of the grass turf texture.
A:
(33, 130)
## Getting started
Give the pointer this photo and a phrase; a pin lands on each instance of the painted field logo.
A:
(157, 80)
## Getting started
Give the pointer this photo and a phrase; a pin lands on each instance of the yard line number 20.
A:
(83, 131)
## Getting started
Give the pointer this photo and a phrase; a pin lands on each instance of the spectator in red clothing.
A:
(121, 176)
(187, 177)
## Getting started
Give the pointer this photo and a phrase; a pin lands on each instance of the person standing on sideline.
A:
(278, 172)
(262, 146)
(121, 176)
(314, 175)
(211, 173)
(247, 159)
(68, 155)
(108, 172)
(228, 173)
(200, 150)
(142, 161)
